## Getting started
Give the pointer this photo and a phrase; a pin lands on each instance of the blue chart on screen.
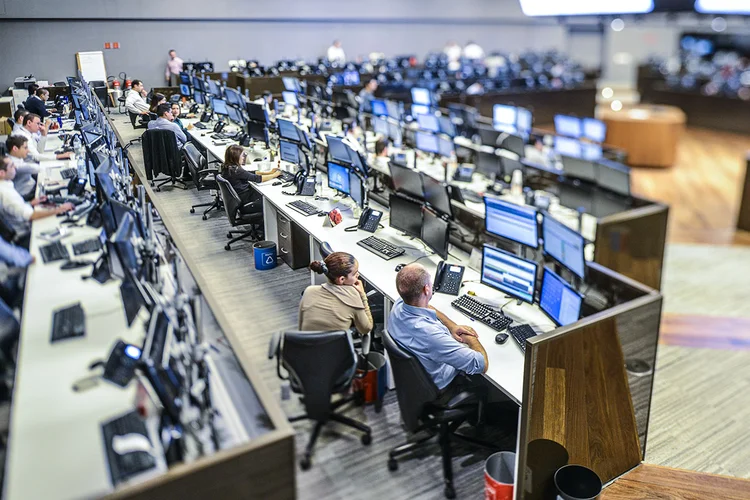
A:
(510, 221)
(219, 106)
(289, 152)
(427, 142)
(338, 177)
(564, 245)
(558, 300)
(508, 273)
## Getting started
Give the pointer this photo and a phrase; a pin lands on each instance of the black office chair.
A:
(319, 365)
(134, 120)
(239, 214)
(162, 156)
(423, 416)
(203, 177)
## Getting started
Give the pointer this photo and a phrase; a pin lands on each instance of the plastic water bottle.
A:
(81, 167)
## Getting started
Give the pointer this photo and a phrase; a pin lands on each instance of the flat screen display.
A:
(435, 233)
(510, 221)
(338, 177)
(406, 215)
(510, 274)
(558, 300)
(564, 245)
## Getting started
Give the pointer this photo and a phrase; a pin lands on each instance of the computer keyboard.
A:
(68, 173)
(54, 251)
(123, 466)
(381, 248)
(482, 312)
(68, 323)
(219, 136)
(88, 246)
(201, 125)
(303, 207)
(520, 333)
(471, 196)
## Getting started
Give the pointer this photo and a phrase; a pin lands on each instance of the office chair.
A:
(239, 214)
(203, 177)
(134, 119)
(319, 365)
(424, 416)
(162, 156)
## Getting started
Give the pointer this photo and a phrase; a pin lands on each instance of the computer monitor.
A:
(214, 88)
(488, 136)
(199, 97)
(256, 112)
(337, 150)
(488, 163)
(357, 189)
(185, 90)
(564, 245)
(287, 130)
(567, 146)
(290, 98)
(380, 125)
(219, 106)
(406, 215)
(350, 78)
(446, 147)
(436, 195)
(199, 84)
(594, 130)
(558, 300)
(426, 142)
(235, 114)
(394, 132)
(614, 177)
(122, 240)
(512, 222)
(105, 187)
(503, 114)
(446, 126)
(406, 180)
(428, 122)
(234, 98)
(291, 84)
(419, 109)
(524, 120)
(289, 151)
(378, 107)
(435, 232)
(257, 131)
(185, 78)
(509, 274)
(568, 126)
(590, 151)
(394, 110)
(421, 96)
(509, 165)
(338, 177)
(578, 168)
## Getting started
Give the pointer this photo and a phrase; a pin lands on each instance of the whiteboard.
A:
(91, 65)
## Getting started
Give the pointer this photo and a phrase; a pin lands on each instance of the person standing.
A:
(335, 54)
(174, 68)
(473, 51)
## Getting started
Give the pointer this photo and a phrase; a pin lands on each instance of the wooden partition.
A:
(578, 399)
(743, 217)
(259, 84)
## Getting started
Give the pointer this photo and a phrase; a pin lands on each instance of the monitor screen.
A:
(288, 151)
(378, 107)
(436, 195)
(257, 131)
(509, 274)
(357, 189)
(257, 112)
(564, 245)
(428, 122)
(614, 177)
(214, 88)
(291, 84)
(445, 146)
(406, 180)
(558, 300)
(394, 111)
(287, 130)
(337, 150)
(380, 125)
(236, 115)
(524, 120)
(591, 152)
(234, 98)
(594, 130)
(338, 177)
(568, 126)
(567, 146)
(421, 96)
(290, 98)
(199, 84)
(578, 168)
(511, 221)
(586, 7)
(722, 7)
(394, 132)
(185, 90)
(509, 165)
(435, 233)
(350, 78)
(199, 97)
(406, 215)
(503, 114)
(488, 163)
(219, 106)
(419, 109)
(488, 136)
(427, 142)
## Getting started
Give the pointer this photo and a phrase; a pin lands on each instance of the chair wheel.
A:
(205, 217)
(304, 463)
(392, 464)
(229, 236)
(192, 210)
(158, 190)
(449, 492)
(366, 439)
(227, 247)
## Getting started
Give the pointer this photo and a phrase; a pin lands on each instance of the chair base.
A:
(168, 180)
(252, 233)
(214, 204)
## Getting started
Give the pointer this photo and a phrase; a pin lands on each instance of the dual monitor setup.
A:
(571, 130)
(512, 119)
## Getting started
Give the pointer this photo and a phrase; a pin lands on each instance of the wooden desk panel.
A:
(743, 217)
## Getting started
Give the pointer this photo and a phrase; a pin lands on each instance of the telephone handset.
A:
(244, 140)
(369, 220)
(76, 186)
(219, 127)
(305, 185)
(448, 278)
(206, 116)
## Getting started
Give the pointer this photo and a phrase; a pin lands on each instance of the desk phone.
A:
(369, 220)
(448, 278)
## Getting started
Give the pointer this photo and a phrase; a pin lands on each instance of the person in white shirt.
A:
(17, 212)
(135, 102)
(174, 68)
(18, 117)
(452, 51)
(335, 54)
(473, 51)
(18, 149)
(266, 100)
(32, 125)
(165, 121)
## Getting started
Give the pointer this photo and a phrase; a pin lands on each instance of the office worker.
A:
(156, 99)
(339, 304)
(452, 52)
(18, 150)
(18, 117)
(135, 102)
(32, 125)
(176, 112)
(444, 348)
(473, 51)
(335, 53)
(174, 68)
(367, 95)
(240, 179)
(35, 103)
(165, 121)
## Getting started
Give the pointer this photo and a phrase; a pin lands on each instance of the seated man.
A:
(35, 103)
(18, 149)
(32, 125)
(18, 117)
(444, 348)
(165, 121)
(135, 102)
(366, 96)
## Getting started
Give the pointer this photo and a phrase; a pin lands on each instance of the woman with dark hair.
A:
(339, 304)
(238, 177)
(156, 99)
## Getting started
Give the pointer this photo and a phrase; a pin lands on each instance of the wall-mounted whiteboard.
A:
(91, 65)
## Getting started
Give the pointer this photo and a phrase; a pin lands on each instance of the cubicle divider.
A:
(274, 84)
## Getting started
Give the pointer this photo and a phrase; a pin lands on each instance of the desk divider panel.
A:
(743, 218)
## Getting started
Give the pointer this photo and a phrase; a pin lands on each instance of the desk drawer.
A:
(294, 243)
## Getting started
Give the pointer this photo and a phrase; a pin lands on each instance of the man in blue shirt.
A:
(165, 121)
(444, 348)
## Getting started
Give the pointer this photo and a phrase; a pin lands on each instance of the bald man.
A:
(444, 348)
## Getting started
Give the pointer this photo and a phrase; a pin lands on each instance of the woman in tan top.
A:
(339, 304)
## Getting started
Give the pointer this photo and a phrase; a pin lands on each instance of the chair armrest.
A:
(213, 161)
(273, 345)
(250, 207)
(207, 171)
(461, 399)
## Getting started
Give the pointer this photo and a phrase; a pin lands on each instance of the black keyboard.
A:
(124, 466)
(201, 125)
(68, 323)
(471, 196)
(68, 173)
(219, 137)
(482, 312)
(303, 207)
(381, 248)
(54, 251)
(88, 246)
(520, 333)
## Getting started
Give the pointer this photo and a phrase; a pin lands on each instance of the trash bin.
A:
(498, 476)
(576, 482)
(374, 384)
(265, 255)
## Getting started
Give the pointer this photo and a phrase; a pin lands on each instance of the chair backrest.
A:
(230, 198)
(6, 230)
(319, 364)
(195, 162)
(133, 118)
(325, 249)
(414, 387)
(160, 153)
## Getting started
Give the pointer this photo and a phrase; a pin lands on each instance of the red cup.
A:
(498, 476)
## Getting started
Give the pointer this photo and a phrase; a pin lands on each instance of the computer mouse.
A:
(500, 338)
(75, 264)
(258, 159)
(129, 443)
(400, 267)
(322, 214)
(277, 183)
